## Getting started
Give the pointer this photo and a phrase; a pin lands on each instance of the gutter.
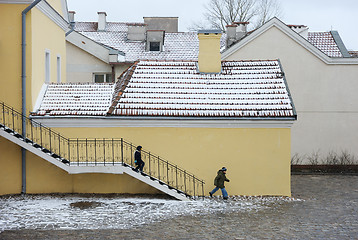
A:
(23, 89)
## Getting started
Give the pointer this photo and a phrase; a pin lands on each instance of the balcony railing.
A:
(99, 151)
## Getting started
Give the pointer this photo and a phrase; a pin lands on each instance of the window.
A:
(102, 77)
(154, 46)
(47, 66)
(58, 69)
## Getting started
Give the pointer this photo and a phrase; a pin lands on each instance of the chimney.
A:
(209, 59)
(71, 16)
(136, 31)
(300, 29)
(235, 32)
(101, 21)
(168, 24)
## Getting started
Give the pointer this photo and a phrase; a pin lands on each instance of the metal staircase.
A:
(113, 156)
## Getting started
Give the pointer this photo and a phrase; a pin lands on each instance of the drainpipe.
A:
(23, 90)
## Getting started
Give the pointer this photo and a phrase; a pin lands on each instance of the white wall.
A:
(81, 65)
(325, 95)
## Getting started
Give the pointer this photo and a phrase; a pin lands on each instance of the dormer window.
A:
(154, 46)
(155, 40)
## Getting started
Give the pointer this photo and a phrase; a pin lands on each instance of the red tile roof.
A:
(62, 99)
(324, 42)
(244, 89)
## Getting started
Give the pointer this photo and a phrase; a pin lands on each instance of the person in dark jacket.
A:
(138, 159)
(219, 181)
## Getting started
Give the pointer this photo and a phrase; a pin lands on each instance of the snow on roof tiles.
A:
(76, 99)
(177, 46)
(324, 41)
(246, 89)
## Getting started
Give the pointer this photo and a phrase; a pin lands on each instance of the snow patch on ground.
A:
(57, 212)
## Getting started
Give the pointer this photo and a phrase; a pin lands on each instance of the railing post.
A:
(131, 155)
(59, 145)
(32, 132)
(202, 188)
(194, 186)
(13, 120)
(50, 138)
(78, 154)
(86, 152)
(185, 181)
(158, 168)
(176, 173)
(112, 151)
(104, 152)
(41, 134)
(149, 163)
(95, 152)
(69, 150)
(167, 172)
(122, 151)
(3, 113)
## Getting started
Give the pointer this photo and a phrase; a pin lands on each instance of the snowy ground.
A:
(65, 211)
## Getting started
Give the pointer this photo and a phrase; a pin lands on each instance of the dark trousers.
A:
(140, 166)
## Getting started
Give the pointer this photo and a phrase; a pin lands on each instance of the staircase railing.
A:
(99, 151)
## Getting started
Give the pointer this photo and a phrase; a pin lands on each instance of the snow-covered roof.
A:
(177, 46)
(63, 99)
(325, 42)
(244, 89)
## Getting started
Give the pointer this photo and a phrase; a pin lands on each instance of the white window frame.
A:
(101, 73)
(47, 66)
(58, 59)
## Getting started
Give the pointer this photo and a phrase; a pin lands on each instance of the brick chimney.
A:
(209, 59)
(101, 21)
(235, 32)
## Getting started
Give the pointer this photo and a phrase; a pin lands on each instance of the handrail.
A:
(99, 151)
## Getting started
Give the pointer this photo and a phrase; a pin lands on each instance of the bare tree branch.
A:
(220, 13)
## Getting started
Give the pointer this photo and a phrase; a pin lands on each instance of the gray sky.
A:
(318, 15)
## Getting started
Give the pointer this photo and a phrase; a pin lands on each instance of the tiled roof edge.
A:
(121, 85)
(288, 90)
(340, 44)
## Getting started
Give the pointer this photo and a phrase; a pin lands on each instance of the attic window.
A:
(154, 46)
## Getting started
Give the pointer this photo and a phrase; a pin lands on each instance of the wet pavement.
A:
(321, 207)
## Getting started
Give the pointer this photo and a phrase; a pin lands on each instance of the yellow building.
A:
(44, 55)
(199, 116)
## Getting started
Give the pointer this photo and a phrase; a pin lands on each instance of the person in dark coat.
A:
(138, 159)
(219, 181)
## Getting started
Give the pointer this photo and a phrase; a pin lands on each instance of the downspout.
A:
(23, 90)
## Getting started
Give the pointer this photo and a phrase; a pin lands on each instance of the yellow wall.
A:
(46, 36)
(43, 177)
(209, 58)
(258, 160)
(57, 5)
(10, 53)
(10, 170)
(41, 33)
